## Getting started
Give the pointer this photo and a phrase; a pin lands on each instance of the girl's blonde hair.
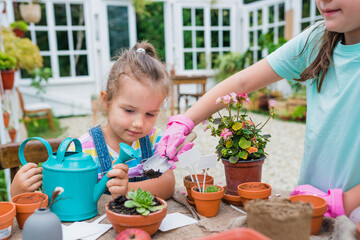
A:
(141, 64)
(319, 67)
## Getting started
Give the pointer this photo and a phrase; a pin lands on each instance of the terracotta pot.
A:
(6, 117)
(319, 205)
(279, 218)
(7, 214)
(189, 184)
(30, 12)
(232, 199)
(19, 33)
(237, 233)
(8, 77)
(240, 172)
(207, 204)
(12, 134)
(150, 223)
(253, 190)
(358, 231)
(26, 203)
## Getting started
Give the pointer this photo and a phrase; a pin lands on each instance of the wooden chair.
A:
(36, 111)
(35, 152)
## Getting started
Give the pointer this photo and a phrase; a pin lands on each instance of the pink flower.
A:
(218, 100)
(272, 103)
(225, 133)
(244, 98)
(226, 98)
(233, 96)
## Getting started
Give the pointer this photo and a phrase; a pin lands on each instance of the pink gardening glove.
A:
(334, 198)
(177, 128)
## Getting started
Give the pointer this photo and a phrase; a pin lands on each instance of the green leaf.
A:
(244, 144)
(229, 144)
(129, 204)
(243, 154)
(237, 126)
(234, 159)
(147, 212)
(140, 210)
(131, 194)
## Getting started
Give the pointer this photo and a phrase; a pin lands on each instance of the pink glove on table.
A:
(177, 128)
(334, 198)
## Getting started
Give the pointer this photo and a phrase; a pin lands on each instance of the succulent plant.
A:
(142, 201)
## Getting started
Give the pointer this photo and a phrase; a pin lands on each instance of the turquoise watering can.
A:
(76, 173)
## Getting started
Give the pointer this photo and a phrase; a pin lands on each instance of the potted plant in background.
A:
(19, 28)
(31, 12)
(139, 209)
(8, 68)
(241, 146)
(6, 117)
(191, 182)
(207, 201)
(253, 190)
(40, 78)
(7, 214)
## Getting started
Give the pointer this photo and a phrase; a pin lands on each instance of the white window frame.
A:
(313, 17)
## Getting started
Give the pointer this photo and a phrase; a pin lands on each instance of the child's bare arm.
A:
(162, 186)
(27, 179)
(118, 184)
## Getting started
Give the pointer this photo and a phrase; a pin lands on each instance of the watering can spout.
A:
(126, 153)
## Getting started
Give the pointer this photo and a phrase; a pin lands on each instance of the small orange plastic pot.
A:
(232, 199)
(319, 205)
(237, 234)
(189, 184)
(253, 190)
(7, 214)
(358, 231)
(207, 204)
(26, 203)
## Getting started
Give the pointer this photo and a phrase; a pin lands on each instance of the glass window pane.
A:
(214, 38)
(201, 61)
(259, 35)
(214, 57)
(188, 61)
(271, 14)
(64, 66)
(304, 25)
(199, 16)
(46, 61)
(251, 19)
(317, 13)
(305, 8)
(43, 21)
(60, 14)
(281, 12)
(42, 40)
(226, 17)
(81, 65)
(259, 55)
(62, 40)
(281, 31)
(24, 74)
(79, 38)
(17, 15)
(118, 28)
(77, 15)
(186, 17)
(226, 38)
(200, 39)
(28, 35)
(259, 16)
(187, 39)
(251, 39)
(214, 17)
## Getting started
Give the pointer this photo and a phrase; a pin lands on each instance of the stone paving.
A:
(280, 169)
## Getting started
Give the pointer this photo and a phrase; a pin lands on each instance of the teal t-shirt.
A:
(332, 139)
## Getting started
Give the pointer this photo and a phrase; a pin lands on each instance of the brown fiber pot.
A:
(8, 77)
(254, 190)
(320, 207)
(7, 214)
(26, 203)
(189, 184)
(6, 116)
(150, 223)
(207, 204)
(240, 172)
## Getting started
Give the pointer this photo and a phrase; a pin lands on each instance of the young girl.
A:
(326, 56)
(136, 88)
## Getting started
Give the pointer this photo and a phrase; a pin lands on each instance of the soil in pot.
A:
(253, 190)
(122, 219)
(26, 203)
(319, 206)
(7, 214)
(280, 219)
(151, 173)
(189, 184)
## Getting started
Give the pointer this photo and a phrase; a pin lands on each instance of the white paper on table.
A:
(175, 220)
(188, 158)
(84, 230)
(207, 161)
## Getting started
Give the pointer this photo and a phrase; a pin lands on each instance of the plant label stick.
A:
(189, 158)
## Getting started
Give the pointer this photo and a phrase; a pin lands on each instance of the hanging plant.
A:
(31, 12)
(140, 7)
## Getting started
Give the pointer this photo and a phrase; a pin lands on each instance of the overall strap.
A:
(145, 145)
(104, 157)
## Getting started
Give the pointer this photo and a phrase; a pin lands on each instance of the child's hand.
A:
(27, 179)
(118, 184)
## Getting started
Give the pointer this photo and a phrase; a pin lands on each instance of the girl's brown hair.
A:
(141, 64)
(319, 67)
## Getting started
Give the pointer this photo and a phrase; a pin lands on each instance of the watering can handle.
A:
(22, 147)
(64, 145)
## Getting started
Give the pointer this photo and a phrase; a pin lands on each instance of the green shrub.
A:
(7, 62)
(21, 25)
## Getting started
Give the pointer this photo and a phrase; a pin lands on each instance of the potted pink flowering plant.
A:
(241, 146)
